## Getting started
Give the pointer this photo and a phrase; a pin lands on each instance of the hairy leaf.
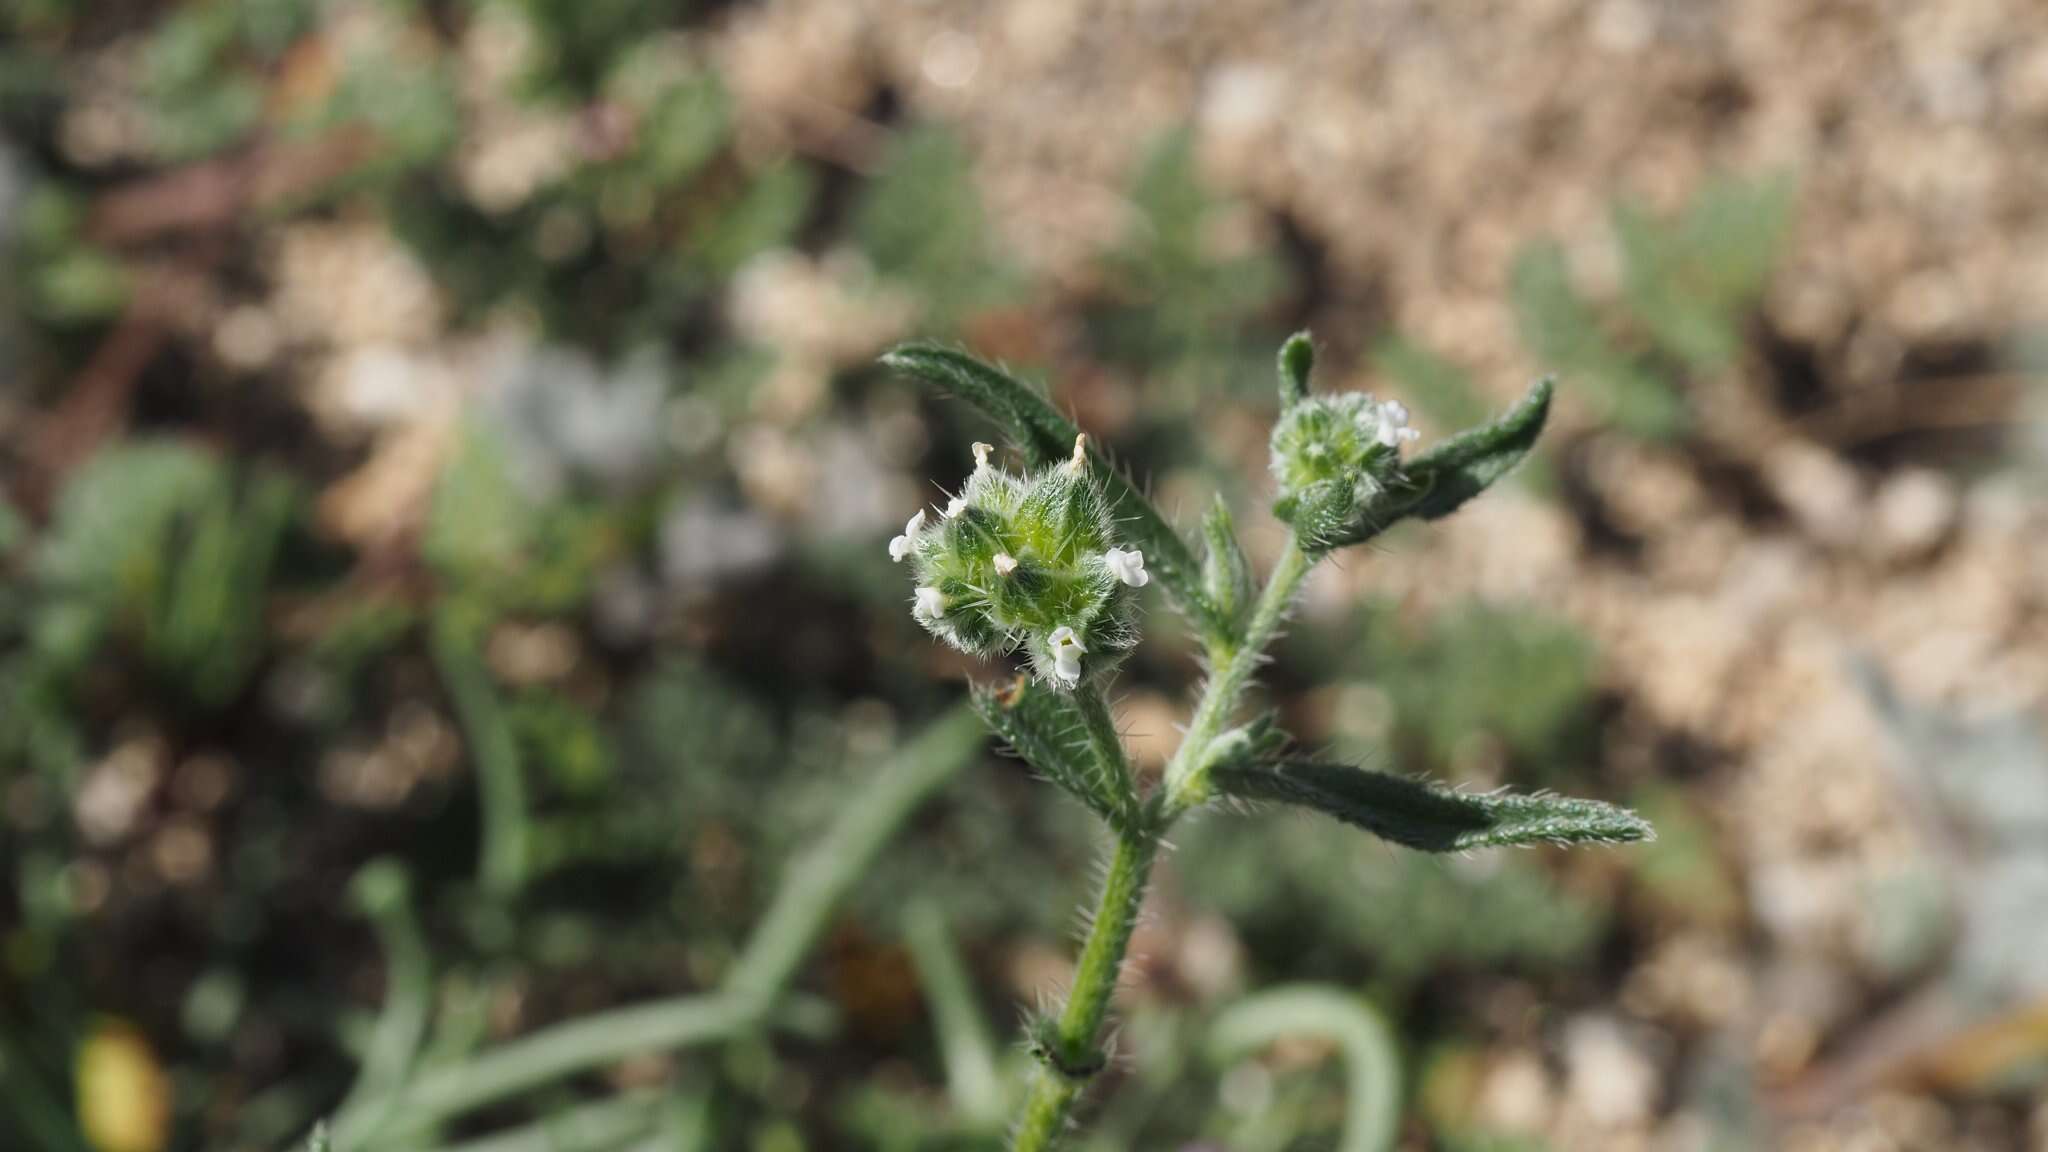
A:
(1427, 816)
(1461, 467)
(1297, 364)
(1226, 575)
(1044, 728)
(1045, 436)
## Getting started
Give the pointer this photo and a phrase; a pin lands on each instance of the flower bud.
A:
(1033, 563)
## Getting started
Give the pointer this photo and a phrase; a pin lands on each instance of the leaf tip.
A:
(1297, 364)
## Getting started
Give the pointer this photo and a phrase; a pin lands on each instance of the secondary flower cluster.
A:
(1027, 563)
(1333, 455)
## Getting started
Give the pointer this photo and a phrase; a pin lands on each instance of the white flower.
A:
(1005, 563)
(1066, 655)
(1128, 566)
(1079, 462)
(902, 545)
(930, 605)
(981, 454)
(956, 506)
(1394, 430)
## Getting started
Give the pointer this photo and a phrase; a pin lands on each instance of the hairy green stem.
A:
(1069, 1055)
(1231, 668)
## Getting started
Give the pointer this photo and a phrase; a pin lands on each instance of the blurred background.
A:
(445, 491)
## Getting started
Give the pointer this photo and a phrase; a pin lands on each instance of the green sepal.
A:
(1044, 437)
(1428, 816)
(1043, 727)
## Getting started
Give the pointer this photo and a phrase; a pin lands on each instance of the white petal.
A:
(1129, 567)
(930, 605)
(1005, 563)
(915, 525)
(956, 506)
(899, 547)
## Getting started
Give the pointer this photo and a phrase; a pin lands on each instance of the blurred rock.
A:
(1911, 514)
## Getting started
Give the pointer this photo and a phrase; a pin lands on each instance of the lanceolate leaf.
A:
(1043, 727)
(1226, 575)
(1427, 816)
(1297, 364)
(1045, 436)
(1461, 467)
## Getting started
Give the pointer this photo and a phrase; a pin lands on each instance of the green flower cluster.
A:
(1334, 456)
(1027, 562)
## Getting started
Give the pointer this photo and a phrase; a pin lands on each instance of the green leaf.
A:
(1045, 436)
(1045, 729)
(1428, 816)
(1461, 467)
(1226, 574)
(1297, 364)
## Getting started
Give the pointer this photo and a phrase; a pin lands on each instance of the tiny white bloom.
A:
(1080, 458)
(930, 605)
(956, 506)
(901, 546)
(1005, 563)
(1066, 655)
(1128, 566)
(1394, 429)
(981, 454)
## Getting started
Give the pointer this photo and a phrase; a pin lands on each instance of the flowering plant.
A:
(1048, 564)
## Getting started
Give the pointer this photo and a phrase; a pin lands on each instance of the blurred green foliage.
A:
(1179, 299)
(921, 224)
(1690, 285)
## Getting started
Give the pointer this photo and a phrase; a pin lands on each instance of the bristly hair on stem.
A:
(1047, 562)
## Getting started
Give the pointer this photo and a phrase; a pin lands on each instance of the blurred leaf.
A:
(766, 214)
(1314, 896)
(1692, 280)
(921, 223)
(1440, 388)
(1427, 816)
(1479, 670)
(156, 541)
(1180, 306)
(1682, 868)
(1565, 332)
